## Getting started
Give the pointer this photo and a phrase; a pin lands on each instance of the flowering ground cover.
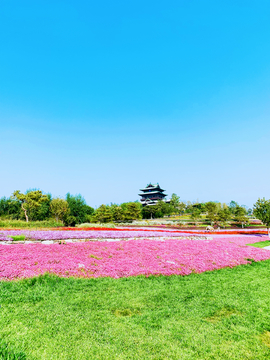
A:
(143, 256)
(80, 234)
(92, 233)
(86, 234)
(168, 229)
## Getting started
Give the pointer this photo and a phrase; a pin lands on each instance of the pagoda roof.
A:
(152, 186)
(152, 192)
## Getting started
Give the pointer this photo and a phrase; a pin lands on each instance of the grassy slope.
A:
(217, 315)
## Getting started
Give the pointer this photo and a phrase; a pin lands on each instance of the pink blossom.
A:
(116, 259)
(83, 234)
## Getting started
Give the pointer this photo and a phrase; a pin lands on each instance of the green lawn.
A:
(260, 244)
(223, 314)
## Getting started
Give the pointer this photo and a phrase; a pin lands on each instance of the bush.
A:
(17, 237)
(70, 220)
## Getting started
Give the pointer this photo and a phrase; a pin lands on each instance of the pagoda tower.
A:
(151, 194)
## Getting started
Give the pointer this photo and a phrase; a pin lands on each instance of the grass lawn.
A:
(223, 314)
(260, 244)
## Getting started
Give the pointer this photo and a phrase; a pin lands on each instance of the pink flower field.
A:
(143, 256)
(84, 234)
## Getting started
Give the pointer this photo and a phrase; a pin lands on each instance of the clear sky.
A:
(103, 97)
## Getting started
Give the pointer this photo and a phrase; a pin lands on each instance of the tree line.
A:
(34, 205)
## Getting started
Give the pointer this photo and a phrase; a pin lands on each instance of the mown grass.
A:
(260, 244)
(7, 353)
(216, 315)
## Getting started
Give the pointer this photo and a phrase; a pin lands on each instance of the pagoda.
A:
(152, 194)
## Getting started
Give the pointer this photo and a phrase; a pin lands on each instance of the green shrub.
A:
(17, 237)
(70, 220)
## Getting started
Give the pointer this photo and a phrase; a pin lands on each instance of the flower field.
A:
(141, 255)
(107, 233)
(85, 234)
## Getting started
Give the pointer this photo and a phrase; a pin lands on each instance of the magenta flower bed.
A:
(128, 258)
(91, 234)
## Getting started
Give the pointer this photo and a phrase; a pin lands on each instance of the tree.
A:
(4, 206)
(181, 208)
(149, 211)
(30, 201)
(240, 215)
(103, 214)
(199, 206)
(78, 208)
(232, 206)
(59, 208)
(44, 211)
(10, 207)
(211, 209)
(175, 202)
(196, 215)
(189, 207)
(89, 210)
(160, 209)
(133, 211)
(163, 208)
(261, 210)
(118, 213)
(224, 216)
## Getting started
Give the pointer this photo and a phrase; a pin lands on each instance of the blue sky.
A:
(101, 98)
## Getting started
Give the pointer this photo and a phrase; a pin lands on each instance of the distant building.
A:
(152, 194)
